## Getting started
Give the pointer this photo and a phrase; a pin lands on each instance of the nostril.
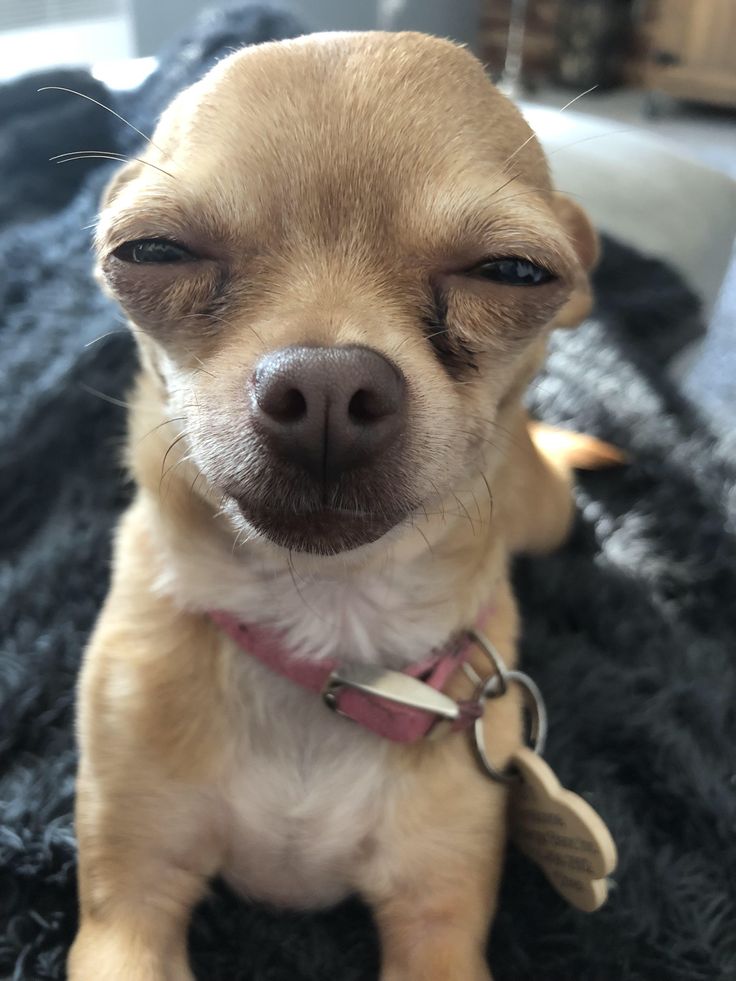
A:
(286, 405)
(366, 406)
(293, 406)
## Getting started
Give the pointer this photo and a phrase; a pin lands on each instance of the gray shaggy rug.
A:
(629, 629)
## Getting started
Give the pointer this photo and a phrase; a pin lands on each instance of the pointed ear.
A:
(584, 240)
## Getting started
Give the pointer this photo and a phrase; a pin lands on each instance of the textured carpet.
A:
(629, 629)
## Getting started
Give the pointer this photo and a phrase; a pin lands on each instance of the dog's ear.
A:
(584, 240)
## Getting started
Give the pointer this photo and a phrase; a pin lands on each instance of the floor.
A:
(708, 373)
(704, 132)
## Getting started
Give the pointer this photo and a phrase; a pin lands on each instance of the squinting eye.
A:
(512, 272)
(159, 250)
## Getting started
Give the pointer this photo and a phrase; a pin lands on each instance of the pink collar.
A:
(402, 706)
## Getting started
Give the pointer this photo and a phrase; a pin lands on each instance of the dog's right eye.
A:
(152, 250)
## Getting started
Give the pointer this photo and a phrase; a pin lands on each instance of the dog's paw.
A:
(109, 954)
(577, 450)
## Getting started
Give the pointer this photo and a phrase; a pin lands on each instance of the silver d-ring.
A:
(537, 736)
(494, 657)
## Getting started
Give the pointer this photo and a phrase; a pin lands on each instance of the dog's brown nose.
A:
(329, 409)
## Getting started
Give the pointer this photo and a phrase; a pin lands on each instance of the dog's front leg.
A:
(433, 938)
(435, 926)
(150, 724)
(138, 883)
(434, 876)
(434, 868)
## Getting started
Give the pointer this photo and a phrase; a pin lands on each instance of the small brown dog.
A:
(342, 265)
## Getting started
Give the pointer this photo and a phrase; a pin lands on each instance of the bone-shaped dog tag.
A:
(561, 833)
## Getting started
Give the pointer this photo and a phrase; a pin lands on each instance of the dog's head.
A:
(341, 254)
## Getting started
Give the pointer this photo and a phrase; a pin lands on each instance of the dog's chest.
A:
(304, 794)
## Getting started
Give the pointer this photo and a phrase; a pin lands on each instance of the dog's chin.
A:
(327, 531)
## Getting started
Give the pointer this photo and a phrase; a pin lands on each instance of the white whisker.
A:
(573, 101)
(61, 88)
(61, 158)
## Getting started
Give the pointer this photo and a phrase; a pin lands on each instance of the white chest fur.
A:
(304, 789)
(375, 611)
(304, 792)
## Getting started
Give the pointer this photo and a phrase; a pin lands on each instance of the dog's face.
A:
(341, 261)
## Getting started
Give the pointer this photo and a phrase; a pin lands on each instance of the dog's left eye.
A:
(512, 272)
(152, 250)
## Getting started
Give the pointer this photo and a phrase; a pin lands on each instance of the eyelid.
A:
(544, 262)
(483, 268)
(466, 253)
(560, 270)
(116, 241)
(133, 226)
(185, 255)
(466, 271)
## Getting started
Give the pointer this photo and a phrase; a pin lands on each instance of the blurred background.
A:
(669, 64)
(648, 145)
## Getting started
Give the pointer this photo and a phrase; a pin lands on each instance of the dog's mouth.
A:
(322, 531)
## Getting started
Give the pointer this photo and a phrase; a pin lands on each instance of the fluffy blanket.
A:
(629, 629)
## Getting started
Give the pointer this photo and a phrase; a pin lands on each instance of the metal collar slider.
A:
(394, 686)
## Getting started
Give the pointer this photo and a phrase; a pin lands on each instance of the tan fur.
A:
(328, 181)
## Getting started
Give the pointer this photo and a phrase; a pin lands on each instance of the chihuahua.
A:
(341, 257)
